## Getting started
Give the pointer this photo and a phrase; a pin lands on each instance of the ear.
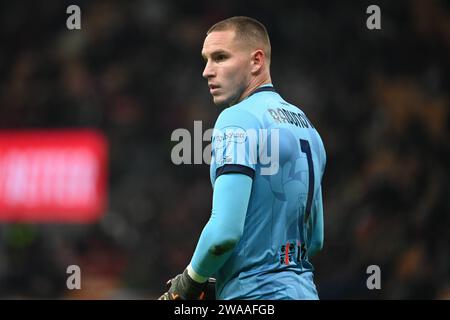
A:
(258, 59)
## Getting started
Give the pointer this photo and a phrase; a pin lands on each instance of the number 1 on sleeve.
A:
(305, 147)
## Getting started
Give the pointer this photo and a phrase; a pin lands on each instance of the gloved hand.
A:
(211, 289)
(183, 287)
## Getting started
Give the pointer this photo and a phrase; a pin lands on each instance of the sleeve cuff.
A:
(195, 276)
(235, 168)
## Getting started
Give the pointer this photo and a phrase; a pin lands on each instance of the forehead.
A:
(218, 40)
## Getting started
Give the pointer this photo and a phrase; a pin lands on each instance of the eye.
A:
(220, 57)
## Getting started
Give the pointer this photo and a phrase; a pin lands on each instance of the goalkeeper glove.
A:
(211, 289)
(183, 287)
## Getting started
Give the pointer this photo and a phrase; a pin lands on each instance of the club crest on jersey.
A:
(232, 134)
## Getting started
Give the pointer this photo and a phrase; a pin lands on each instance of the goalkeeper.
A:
(267, 217)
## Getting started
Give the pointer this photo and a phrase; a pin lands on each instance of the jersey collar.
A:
(266, 87)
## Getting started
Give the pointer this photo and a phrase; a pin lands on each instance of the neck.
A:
(254, 84)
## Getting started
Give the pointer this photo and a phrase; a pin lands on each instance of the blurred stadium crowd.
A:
(380, 100)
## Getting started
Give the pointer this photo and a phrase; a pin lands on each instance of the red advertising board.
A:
(53, 176)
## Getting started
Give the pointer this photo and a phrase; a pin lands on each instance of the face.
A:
(227, 67)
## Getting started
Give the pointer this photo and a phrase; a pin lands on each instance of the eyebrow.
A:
(215, 53)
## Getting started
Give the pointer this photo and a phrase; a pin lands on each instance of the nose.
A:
(208, 72)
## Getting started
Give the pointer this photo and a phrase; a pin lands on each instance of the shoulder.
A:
(237, 115)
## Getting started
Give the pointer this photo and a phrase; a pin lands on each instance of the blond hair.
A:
(248, 30)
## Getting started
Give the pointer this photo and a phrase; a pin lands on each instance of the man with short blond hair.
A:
(267, 216)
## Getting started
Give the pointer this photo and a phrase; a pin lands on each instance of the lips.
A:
(213, 88)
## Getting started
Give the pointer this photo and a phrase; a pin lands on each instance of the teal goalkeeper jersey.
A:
(274, 143)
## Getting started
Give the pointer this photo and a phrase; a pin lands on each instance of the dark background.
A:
(379, 98)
